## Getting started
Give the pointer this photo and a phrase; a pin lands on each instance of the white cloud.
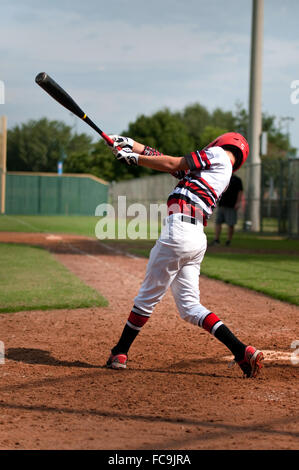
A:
(280, 54)
(115, 42)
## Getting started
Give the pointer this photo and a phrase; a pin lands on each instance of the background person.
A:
(227, 212)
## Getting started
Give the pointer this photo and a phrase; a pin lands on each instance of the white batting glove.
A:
(127, 156)
(120, 141)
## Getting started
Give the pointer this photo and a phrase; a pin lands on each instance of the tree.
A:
(164, 131)
(210, 133)
(99, 162)
(39, 145)
(278, 142)
(241, 119)
(223, 120)
(196, 118)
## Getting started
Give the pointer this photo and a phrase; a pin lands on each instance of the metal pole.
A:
(255, 114)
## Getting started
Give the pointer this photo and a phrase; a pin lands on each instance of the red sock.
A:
(214, 325)
(135, 322)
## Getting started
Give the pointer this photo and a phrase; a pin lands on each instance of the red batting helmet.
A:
(233, 139)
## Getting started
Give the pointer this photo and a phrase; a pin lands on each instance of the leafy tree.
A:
(241, 119)
(278, 142)
(196, 118)
(210, 133)
(163, 130)
(223, 120)
(104, 165)
(39, 145)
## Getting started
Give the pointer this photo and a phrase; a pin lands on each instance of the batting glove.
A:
(120, 141)
(127, 156)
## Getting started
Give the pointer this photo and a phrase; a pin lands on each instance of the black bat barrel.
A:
(58, 93)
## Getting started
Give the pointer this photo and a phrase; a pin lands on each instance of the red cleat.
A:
(117, 361)
(252, 362)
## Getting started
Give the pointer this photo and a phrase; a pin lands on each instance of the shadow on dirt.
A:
(38, 356)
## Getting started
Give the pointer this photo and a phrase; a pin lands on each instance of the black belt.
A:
(189, 219)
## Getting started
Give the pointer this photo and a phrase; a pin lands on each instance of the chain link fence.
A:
(279, 204)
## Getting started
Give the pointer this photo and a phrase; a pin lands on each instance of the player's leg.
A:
(162, 267)
(185, 289)
(179, 242)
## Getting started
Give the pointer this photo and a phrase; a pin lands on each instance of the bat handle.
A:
(99, 131)
(108, 140)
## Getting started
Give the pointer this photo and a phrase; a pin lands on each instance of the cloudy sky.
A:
(122, 58)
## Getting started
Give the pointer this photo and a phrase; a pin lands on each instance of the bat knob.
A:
(40, 77)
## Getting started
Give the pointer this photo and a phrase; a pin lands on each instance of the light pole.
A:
(255, 115)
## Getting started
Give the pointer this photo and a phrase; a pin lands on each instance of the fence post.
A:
(3, 154)
(39, 194)
(282, 215)
(262, 198)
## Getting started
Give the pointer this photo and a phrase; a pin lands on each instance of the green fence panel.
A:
(48, 195)
(53, 195)
(21, 194)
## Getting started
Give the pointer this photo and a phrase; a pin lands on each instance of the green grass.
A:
(85, 225)
(77, 225)
(31, 279)
(271, 274)
(267, 242)
(267, 263)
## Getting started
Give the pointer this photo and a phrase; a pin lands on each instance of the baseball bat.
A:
(60, 95)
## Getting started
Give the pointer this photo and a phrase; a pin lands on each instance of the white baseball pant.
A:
(175, 262)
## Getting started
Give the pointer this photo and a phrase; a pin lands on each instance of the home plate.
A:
(271, 356)
(53, 237)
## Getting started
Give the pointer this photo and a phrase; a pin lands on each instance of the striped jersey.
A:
(198, 191)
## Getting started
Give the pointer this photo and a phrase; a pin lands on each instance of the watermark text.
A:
(294, 97)
(137, 221)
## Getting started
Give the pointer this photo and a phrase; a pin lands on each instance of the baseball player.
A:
(177, 255)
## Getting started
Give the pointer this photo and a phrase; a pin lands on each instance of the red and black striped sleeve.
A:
(150, 152)
(198, 160)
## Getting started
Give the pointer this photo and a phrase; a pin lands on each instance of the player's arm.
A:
(134, 153)
(160, 162)
(193, 161)
(165, 163)
(131, 152)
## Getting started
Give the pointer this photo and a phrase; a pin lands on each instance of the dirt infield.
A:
(177, 393)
